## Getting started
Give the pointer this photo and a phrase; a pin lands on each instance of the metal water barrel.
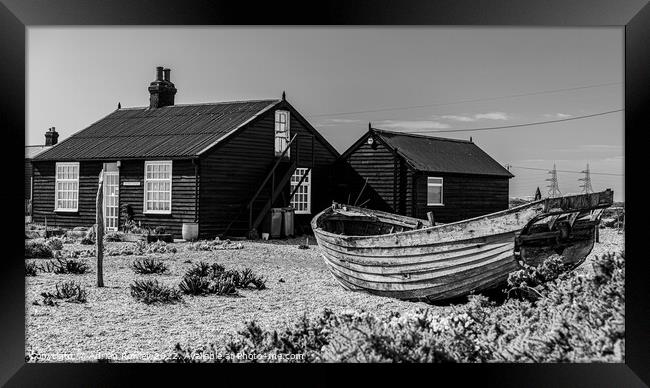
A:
(288, 213)
(276, 222)
(190, 231)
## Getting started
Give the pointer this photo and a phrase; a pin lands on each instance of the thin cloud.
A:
(493, 116)
(405, 124)
(457, 118)
(344, 121)
(336, 122)
(478, 116)
(557, 115)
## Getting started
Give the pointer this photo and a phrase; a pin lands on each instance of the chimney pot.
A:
(161, 92)
(51, 137)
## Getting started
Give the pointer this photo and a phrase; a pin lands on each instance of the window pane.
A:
(434, 194)
(435, 180)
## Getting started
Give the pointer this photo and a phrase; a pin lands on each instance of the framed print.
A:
(439, 185)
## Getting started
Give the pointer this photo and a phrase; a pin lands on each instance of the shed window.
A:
(281, 131)
(301, 200)
(66, 189)
(434, 191)
(158, 187)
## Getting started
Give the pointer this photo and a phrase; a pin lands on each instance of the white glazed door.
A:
(111, 199)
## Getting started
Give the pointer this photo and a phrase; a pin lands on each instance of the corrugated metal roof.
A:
(168, 132)
(438, 154)
(32, 150)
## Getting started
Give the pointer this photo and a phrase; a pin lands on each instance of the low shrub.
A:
(30, 268)
(305, 338)
(200, 269)
(233, 275)
(152, 292)
(149, 266)
(125, 250)
(87, 241)
(203, 278)
(246, 278)
(140, 248)
(79, 253)
(67, 291)
(259, 283)
(158, 247)
(66, 266)
(54, 243)
(222, 286)
(159, 230)
(214, 245)
(37, 250)
(578, 317)
(114, 237)
(524, 283)
(194, 285)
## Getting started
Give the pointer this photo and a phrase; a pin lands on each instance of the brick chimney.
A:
(162, 90)
(51, 137)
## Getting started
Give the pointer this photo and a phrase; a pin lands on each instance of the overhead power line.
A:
(515, 125)
(570, 171)
(464, 101)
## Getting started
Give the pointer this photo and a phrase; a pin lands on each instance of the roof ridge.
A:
(420, 136)
(206, 103)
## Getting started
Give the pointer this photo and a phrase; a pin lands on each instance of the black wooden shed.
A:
(222, 165)
(413, 174)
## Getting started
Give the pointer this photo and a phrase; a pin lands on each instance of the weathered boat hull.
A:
(442, 262)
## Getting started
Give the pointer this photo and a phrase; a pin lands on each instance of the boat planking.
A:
(408, 258)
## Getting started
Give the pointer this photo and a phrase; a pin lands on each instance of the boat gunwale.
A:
(543, 201)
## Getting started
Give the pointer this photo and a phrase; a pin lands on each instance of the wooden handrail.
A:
(274, 195)
(302, 179)
(277, 162)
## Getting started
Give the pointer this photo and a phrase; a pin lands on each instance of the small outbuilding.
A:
(413, 174)
(221, 166)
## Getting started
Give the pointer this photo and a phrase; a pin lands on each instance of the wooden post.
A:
(430, 218)
(365, 182)
(99, 235)
(46, 227)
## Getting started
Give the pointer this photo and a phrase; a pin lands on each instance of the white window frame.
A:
(68, 180)
(442, 190)
(161, 180)
(278, 114)
(307, 183)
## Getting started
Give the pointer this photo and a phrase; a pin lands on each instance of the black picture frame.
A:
(17, 15)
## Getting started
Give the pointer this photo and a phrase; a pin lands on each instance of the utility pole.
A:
(586, 187)
(553, 187)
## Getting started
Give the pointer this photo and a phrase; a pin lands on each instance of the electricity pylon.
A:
(586, 186)
(553, 188)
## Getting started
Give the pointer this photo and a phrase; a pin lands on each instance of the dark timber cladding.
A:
(231, 172)
(397, 165)
(219, 152)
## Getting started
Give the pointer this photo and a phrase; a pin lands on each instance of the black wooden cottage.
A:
(51, 138)
(221, 165)
(413, 174)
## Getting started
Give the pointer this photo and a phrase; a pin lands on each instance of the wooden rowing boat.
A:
(407, 258)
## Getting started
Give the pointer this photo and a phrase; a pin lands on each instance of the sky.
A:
(425, 79)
